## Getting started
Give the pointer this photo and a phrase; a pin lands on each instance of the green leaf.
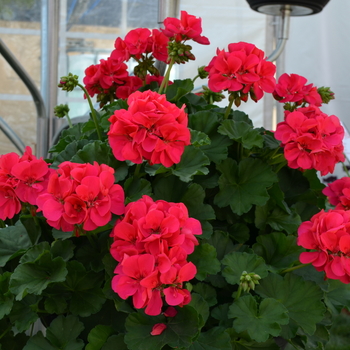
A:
(22, 314)
(34, 277)
(35, 252)
(240, 116)
(337, 296)
(60, 234)
(32, 226)
(237, 262)
(207, 292)
(244, 184)
(180, 330)
(193, 199)
(278, 250)
(178, 89)
(201, 306)
(6, 297)
(239, 232)
(215, 339)
(242, 132)
(218, 148)
(98, 337)
(63, 333)
(278, 219)
(193, 162)
(85, 289)
(252, 345)
(204, 121)
(199, 138)
(14, 241)
(69, 152)
(204, 257)
(38, 342)
(303, 299)
(115, 342)
(220, 313)
(56, 304)
(222, 243)
(259, 322)
(135, 188)
(64, 249)
(170, 189)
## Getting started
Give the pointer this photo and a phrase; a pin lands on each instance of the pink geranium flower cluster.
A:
(22, 179)
(338, 193)
(81, 194)
(244, 69)
(293, 88)
(327, 234)
(151, 244)
(152, 128)
(188, 27)
(311, 139)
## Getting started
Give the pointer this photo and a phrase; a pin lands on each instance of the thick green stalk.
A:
(239, 292)
(294, 268)
(93, 113)
(228, 109)
(165, 81)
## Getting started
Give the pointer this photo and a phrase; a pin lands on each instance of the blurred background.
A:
(50, 38)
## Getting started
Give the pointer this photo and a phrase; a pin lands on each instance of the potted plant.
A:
(165, 221)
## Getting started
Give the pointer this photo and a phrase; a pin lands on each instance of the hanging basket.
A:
(298, 7)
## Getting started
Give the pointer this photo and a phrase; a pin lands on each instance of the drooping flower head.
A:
(186, 28)
(327, 234)
(242, 69)
(152, 129)
(311, 139)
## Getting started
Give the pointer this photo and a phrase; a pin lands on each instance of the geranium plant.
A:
(165, 221)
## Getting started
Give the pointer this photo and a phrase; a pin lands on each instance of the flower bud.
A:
(60, 111)
(69, 82)
(202, 73)
(326, 94)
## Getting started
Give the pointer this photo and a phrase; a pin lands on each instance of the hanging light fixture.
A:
(297, 7)
(285, 9)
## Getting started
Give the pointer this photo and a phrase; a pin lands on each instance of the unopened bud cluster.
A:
(211, 96)
(69, 82)
(61, 111)
(180, 52)
(249, 280)
(326, 94)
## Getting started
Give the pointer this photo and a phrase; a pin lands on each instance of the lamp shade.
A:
(298, 7)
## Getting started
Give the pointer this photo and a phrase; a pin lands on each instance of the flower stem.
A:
(294, 268)
(346, 170)
(228, 109)
(93, 113)
(68, 120)
(165, 81)
(5, 331)
(239, 292)
(137, 170)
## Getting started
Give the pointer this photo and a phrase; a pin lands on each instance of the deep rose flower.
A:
(311, 139)
(185, 28)
(293, 88)
(242, 69)
(338, 193)
(22, 179)
(136, 41)
(154, 238)
(327, 234)
(152, 129)
(81, 194)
